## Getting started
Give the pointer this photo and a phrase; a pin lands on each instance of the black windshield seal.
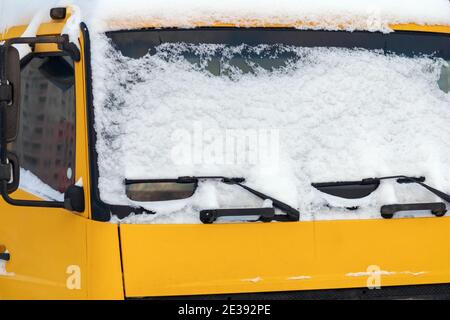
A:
(136, 43)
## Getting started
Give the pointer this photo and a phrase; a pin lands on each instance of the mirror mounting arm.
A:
(27, 203)
(61, 41)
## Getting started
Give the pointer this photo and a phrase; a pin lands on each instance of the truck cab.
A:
(60, 238)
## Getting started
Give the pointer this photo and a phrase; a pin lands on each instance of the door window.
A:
(45, 144)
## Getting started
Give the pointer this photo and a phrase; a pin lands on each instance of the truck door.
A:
(44, 249)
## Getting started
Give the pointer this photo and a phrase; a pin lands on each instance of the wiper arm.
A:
(404, 179)
(364, 187)
(292, 213)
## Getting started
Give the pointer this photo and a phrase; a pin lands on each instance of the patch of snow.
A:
(332, 121)
(413, 273)
(72, 26)
(3, 271)
(102, 15)
(267, 203)
(367, 274)
(384, 273)
(254, 280)
(33, 185)
(79, 183)
(300, 278)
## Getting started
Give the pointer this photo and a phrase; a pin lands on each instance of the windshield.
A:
(281, 107)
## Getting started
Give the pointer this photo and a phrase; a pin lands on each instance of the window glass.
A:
(46, 139)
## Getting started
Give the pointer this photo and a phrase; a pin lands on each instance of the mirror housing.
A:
(10, 92)
(74, 198)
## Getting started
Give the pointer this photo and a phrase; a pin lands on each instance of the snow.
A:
(72, 26)
(102, 15)
(79, 183)
(300, 278)
(33, 185)
(384, 273)
(3, 272)
(330, 115)
(254, 280)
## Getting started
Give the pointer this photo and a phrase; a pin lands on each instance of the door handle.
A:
(3, 254)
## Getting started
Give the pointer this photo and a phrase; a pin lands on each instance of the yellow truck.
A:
(70, 249)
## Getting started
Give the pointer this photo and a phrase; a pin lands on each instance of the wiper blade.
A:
(403, 179)
(292, 213)
(362, 188)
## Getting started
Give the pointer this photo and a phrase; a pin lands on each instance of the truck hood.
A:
(170, 260)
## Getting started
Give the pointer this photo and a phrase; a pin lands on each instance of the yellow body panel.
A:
(201, 259)
(104, 273)
(226, 258)
(131, 24)
(420, 28)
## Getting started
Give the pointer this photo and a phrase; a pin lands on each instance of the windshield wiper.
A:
(362, 188)
(292, 214)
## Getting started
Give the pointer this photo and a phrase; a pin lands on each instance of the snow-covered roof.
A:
(319, 14)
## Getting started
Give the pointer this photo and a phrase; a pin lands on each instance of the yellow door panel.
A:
(48, 253)
(49, 247)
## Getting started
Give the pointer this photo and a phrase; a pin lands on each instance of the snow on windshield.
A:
(321, 114)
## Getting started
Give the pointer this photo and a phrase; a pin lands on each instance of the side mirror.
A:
(159, 190)
(74, 198)
(10, 92)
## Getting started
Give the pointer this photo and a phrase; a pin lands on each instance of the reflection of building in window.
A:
(46, 139)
